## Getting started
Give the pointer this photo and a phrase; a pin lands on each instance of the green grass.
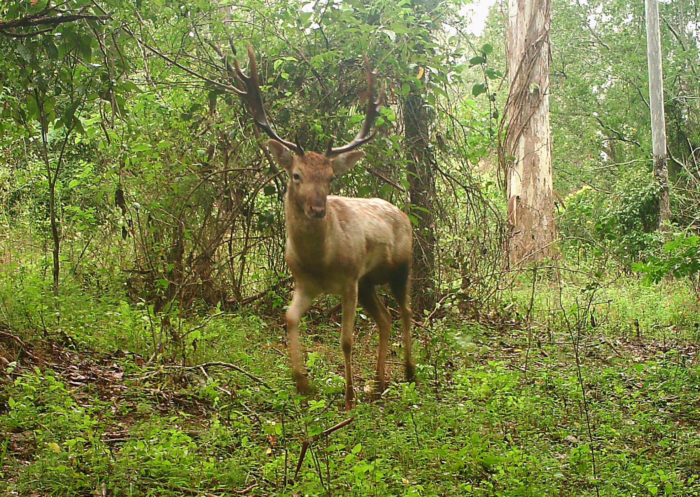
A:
(483, 420)
(101, 408)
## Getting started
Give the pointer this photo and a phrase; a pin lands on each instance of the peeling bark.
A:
(656, 103)
(528, 139)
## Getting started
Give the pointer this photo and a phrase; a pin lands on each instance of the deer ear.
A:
(344, 162)
(282, 154)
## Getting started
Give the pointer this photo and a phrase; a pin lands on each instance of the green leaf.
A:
(78, 125)
(492, 73)
(399, 28)
(140, 147)
(476, 60)
(51, 49)
(24, 52)
(487, 49)
(478, 89)
(85, 47)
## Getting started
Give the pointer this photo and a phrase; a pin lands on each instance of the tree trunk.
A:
(656, 103)
(422, 191)
(55, 235)
(528, 140)
(51, 178)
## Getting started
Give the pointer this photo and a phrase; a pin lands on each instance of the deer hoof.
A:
(304, 387)
(410, 373)
(349, 400)
(378, 390)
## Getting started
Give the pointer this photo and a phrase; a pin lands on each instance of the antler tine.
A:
(298, 144)
(371, 114)
(253, 99)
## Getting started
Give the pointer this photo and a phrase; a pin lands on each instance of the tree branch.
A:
(42, 19)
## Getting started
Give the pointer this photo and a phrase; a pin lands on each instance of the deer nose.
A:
(318, 211)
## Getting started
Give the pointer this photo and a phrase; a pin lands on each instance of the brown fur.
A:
(343, 246)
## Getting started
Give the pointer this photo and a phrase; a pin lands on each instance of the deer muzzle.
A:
(318, 211)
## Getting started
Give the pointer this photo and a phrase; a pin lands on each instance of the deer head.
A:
(311, 176)
(310, 173)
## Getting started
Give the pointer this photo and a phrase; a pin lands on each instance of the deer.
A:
(337, 245)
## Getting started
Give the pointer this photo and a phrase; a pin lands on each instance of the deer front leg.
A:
(346, 339)
(301, 301)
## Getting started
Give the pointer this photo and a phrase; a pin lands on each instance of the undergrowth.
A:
(95, 401)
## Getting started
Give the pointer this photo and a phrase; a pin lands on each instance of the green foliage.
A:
(622, 222)
(679, 258)
(63, 434)
(486, 428)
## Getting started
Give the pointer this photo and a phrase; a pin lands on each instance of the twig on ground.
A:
(19, 342)
(305, 444)
(610, 344)
(195, 491)
(228, 365)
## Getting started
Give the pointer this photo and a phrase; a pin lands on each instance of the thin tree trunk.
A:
(51, 177)
(528, 139)
(55, 235)
(422, 191)
(656, 102)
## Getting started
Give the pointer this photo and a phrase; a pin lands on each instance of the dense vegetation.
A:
(142, 280)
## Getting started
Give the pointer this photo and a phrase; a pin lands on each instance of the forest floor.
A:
(499, 409)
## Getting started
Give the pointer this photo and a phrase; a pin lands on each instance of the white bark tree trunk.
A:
(528, 139)
(656, 103)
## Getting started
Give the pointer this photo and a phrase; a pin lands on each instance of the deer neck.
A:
(307, 236)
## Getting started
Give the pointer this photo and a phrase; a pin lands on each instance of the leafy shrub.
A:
(679, 257)
(621, 223)
(62, 434)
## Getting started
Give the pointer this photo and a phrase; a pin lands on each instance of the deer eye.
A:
(296, 177)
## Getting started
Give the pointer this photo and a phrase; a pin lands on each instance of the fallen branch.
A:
(305, 444)
(228, 365)
(19, 342)
(271, 288)
(245, 490)
(195, 491)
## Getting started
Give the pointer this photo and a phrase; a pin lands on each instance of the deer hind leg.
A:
(400, 287)
(378, 311)
(346, 339)
(301, 301)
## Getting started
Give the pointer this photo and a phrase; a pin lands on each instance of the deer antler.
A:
(253, 100)
(371, 115)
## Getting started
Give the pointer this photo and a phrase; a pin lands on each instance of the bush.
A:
(679, 257)
(621, 223)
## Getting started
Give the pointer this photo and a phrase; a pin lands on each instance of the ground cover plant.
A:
(600, 397)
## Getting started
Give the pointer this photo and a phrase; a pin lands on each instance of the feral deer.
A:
(338, 245)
